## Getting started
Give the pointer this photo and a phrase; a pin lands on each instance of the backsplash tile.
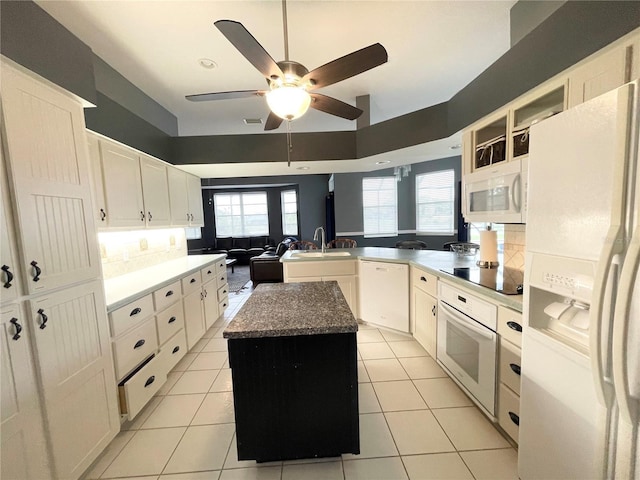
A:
(128, 251)
(514, 246)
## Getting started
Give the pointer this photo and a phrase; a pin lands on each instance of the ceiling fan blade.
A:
(347, 66)
(273, 121)
(248, 46)
(204, 97)
(334, 106)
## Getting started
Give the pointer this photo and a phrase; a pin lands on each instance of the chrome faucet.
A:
(315, 238)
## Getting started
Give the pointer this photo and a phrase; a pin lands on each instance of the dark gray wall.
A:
(348, 203)
(311, 194)
(528, 14)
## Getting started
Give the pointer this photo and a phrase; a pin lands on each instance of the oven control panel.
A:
(479, 310)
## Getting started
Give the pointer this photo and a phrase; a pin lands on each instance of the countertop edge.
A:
(121, 302)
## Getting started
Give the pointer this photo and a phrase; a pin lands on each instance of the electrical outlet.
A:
(144, 244)
(172, 240)
(103, 251)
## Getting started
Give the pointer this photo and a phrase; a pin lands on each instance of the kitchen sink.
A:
(319, 254)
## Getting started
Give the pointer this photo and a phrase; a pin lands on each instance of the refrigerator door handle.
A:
(621, 318)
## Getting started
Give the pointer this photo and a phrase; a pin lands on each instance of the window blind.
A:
(289, 203)
(435, 203)
(380, 206)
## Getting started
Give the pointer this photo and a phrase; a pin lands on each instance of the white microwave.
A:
(496, 194)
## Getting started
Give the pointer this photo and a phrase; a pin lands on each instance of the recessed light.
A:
(207, 63)
(304, 168)
(383, 162)
(455, 147)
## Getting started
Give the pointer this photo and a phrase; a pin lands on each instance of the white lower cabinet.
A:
(23, 444)
(424, 308)
(73, 355)
(342, 271)
(210, 303)
(193, 317)
(138, 388)
(509, 328)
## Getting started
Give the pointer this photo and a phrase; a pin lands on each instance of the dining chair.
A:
(302, 245)
(342, 243)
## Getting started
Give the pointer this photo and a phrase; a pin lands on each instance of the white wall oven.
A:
(467, 344)
(496, 194)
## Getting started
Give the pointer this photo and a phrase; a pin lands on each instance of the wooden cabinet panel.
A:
(194, 192)
(349, 287)
(155, 191)
(122, 186)
(49, 170)
(24, 454)
(178, 197)
(73, 355)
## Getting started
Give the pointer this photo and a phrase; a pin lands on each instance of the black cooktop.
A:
(503, 279)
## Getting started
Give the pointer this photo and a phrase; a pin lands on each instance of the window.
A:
(380, 206)
(435, 203)
(241, 214)
(289, 203)
(193, 233)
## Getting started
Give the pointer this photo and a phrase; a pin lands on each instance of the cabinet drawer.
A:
(133, 347)
(509, 412)
(510, 365)
(510, 325)
(426, 282)
(221, 266)
(136, 390)
(173, 351)
(130, 315)
(223, 305)
(209, 273)
(222, 278)
(320, 269)
(169, 321)
(191, 283)
(223, 292)
(165, 296)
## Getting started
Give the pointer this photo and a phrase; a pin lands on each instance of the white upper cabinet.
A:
(8, 274)
(48, 166)
(155, 190)
(122, 186)
(194, 190)
(97, 183)
(178, 197)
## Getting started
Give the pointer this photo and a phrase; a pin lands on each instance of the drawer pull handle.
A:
(515, 368)
(222, 279)
(149, 381)
(224, 305)
(38, 270)
(169, 293)
(224, 291)
(176, 349)
(172, 319)
(18, 328)
(45, 319)
(423, 279)
(138, 344)
(5, 269)
(514, 326)
(135, 312)
(208, 272)
(514, 418)
(103, 215)
(193, 280)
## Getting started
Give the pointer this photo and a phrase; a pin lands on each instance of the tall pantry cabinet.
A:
(65, 318)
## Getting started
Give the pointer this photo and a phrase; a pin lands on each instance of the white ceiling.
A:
(435, 48)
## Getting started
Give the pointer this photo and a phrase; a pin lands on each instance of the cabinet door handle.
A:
(5, 269)
(193, 280)
(139, 343)
(169, 293)
(172, 319)
(135, 312)
(149, 381)
(141, 216)
(149, 216)
(44, 319)
(192, 217)
(433, 309)
(514, 326)
(176, 349)
(205, 293)
(103, 215)
(515, 368)
(187, 216)
(16, 336)
(423, 279)
(514, 418)
(38, 270)
(201, 296)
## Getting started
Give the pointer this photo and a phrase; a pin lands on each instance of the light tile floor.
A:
(415, 423)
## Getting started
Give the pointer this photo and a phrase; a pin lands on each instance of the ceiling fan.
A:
(290, 83)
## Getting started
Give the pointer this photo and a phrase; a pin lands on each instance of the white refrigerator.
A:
(580, 391)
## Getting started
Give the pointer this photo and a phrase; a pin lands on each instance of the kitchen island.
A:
(292, 354)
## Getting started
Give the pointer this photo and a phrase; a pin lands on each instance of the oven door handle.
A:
(463, 323)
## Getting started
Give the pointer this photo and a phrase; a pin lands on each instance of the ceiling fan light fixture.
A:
(288, 102)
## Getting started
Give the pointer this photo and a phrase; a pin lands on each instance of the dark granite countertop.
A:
(289, 309)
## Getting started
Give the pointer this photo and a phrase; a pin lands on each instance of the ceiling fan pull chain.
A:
(289, 144)
(286, 31)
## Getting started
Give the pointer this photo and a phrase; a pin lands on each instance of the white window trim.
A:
(241, 194)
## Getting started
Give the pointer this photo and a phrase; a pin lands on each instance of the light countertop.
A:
(290, 309)
(124, 289)
(431, 261)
